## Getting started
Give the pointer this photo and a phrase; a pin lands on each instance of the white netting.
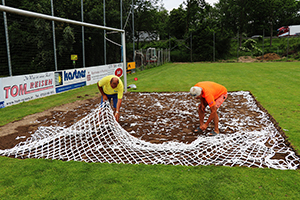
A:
(99, 138)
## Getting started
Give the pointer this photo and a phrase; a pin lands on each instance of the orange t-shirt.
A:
(211, 91)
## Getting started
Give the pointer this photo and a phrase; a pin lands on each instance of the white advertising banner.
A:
(1, 96)
(21, 88)
(17, 89)
(70, 79)
(95, 74)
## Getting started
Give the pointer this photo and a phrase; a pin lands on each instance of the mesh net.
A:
(99, 138)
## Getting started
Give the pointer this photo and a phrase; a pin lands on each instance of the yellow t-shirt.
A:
(211, 91)
(107, 89)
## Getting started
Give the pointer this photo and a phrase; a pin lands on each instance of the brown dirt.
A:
(267, 57)
(65, 115)
(152, 117)
(140, 115)
(246, 59)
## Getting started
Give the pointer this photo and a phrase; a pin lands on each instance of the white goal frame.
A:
(58, 19)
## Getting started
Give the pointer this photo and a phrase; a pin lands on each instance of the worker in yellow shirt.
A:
(111, 87)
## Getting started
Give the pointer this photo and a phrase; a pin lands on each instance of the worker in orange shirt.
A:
(213, 95)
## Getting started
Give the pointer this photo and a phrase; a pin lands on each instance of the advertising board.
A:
(17, 89)
(94, 74)
(22, 88)
(1, 96)
(70, 79)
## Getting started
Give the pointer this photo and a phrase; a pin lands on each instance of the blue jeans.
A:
(111, 96)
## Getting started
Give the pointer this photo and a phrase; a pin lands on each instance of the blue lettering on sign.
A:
(2, 104)
(70, 87)
(75, 75)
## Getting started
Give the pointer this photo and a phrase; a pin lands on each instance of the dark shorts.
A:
(114, 97)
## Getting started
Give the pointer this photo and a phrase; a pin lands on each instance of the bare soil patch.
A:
(266, 57)
(246, 59)
(150, 117)
(156, 118)
(269, 56)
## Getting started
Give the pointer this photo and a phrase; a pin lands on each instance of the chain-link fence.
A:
(147, 58)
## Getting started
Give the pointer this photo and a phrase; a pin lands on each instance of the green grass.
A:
(275, 85)
(52, 179)
(17, 112)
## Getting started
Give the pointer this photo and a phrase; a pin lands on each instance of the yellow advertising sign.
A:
(130, 65)
(74, 57)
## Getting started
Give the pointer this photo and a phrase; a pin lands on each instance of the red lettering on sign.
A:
(22, 89)
(6, 91)
(12, 93)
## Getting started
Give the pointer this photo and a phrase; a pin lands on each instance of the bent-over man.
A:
(111, 87)
(213, 95)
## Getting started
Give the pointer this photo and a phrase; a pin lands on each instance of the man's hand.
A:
(104, 97)
(102, 93)
(203, 127)
(117, 115)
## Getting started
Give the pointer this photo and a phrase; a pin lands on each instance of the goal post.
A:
(58, 19)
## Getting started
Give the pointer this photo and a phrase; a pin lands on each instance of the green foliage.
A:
(164, 44)
(180, 56)
(250, 46)
(177, 23)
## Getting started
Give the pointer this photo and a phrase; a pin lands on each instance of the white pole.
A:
(124, 61)
(7, 41)
(133, 59)
(53, 33)
(52, 18)
(82, 30)
(104, 32)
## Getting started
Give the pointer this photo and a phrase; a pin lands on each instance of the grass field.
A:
(276, 87)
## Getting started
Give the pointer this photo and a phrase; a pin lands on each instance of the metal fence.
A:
(151, 56)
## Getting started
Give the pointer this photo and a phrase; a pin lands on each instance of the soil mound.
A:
(246, 59)
(269, 56)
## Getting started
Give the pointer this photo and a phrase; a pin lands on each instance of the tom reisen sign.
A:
(21, 88)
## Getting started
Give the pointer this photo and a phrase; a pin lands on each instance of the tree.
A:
(277, 10)
(177, 23)
(146, 17)
(234, 16)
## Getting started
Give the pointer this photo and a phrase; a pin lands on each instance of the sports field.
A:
(275, 86)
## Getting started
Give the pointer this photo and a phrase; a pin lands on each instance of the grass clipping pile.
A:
(155, 128)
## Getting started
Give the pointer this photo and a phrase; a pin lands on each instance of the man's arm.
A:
(210, 118)
(203, 104)
(102, 93)
(117, 114)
